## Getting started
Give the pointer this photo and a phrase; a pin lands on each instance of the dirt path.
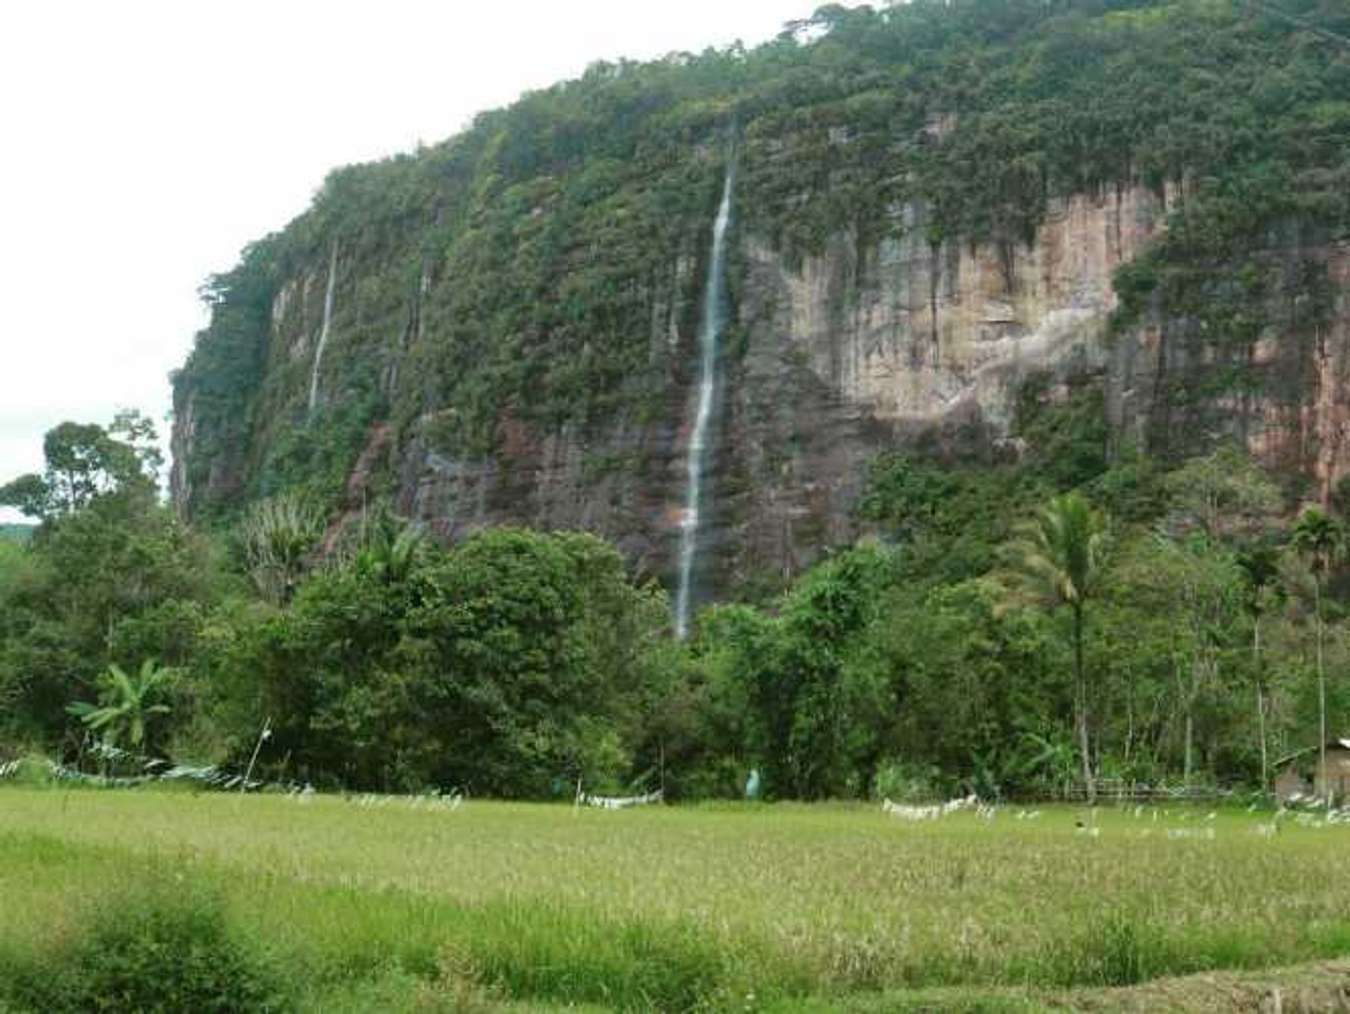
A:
(1323, 986)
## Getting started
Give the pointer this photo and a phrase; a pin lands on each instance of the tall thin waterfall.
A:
(323, 331)
(697, 460)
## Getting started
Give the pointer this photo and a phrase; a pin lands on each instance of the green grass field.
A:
(774, 907)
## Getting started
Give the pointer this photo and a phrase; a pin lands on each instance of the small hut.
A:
(1290, 783)
(1334, 779)
(1301, 773)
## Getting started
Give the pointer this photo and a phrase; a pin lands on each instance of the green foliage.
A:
(161, 947)
(515, 663)
(1320, 537)
(218, 385)
(96, 582)
(86, 461)
(950, 520)
(1059, 561)
(967, 682)
(1066, 436)
(507, 665)
(276, 536)
(127, 705)
(783, 686)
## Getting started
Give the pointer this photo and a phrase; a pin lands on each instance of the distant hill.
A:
(16, 533)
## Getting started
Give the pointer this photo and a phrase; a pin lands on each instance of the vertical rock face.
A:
(1276, 378)
(828, 362)
(861, 350)
(623, 479)
(920, 332)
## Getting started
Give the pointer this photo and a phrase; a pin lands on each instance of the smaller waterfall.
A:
(697, 457)
(323, 330)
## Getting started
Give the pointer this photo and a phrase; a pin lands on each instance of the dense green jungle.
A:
(1155, 601)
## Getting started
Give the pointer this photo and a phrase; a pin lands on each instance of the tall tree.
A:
(1058, 560)
(1202, 583)
(1260, 570)
(1320, 540)
(85, 461)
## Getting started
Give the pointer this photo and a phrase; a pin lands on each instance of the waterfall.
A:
(323, 330)
(697, 459)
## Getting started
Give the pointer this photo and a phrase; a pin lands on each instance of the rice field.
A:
(382, 903)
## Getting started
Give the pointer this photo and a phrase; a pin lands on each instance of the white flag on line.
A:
(932, 812)
(621, 802)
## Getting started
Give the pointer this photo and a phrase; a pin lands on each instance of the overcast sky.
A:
(145, 143)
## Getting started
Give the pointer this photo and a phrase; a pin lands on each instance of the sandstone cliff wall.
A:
(826, 362)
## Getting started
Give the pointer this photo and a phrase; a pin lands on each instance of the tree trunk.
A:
(1080, 688)
(1322, 699)
(1190, 741)
(1260, 703)
(1129, 725)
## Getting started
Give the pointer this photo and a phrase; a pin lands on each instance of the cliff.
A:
(933, 206)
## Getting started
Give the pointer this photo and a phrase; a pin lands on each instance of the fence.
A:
(1118, 790)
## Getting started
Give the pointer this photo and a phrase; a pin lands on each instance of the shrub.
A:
(907, 782)
(164, 948)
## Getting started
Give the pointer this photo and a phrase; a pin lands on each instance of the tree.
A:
(960, 682)
(1260, 566)
(107, 555)
(85, 461)
(1058, 560)
(277, 536)
(126, 704)
(1200, 586)
(502, 668)
(1320, 540)
(1223, 492)
(506, 665)
(29, 494)
(826, 700)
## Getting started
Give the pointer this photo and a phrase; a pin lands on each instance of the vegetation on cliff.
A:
(538, 268)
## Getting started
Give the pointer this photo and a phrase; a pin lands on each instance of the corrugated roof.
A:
(1333, 744)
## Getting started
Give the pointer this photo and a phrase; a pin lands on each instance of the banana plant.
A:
(126, 703)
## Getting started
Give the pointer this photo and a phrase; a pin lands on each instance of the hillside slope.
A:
(941, 210)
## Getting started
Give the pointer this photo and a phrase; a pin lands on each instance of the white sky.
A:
(145, 143)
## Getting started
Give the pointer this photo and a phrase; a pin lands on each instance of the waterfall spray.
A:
(697, 458)
(323, 330)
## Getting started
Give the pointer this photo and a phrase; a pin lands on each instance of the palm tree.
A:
(125, 703)
(1058, 560)
(1320, 540)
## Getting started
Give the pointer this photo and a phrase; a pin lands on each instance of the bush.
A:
(33, 771)
(905, 782)
(164, 948)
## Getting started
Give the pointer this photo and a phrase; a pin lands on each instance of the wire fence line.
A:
(151, 770)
